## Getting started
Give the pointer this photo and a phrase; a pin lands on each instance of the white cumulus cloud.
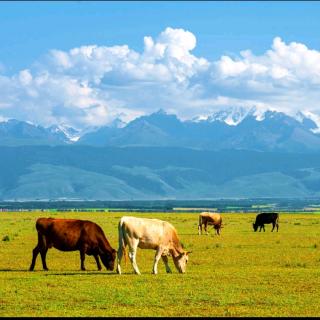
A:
(92, 85)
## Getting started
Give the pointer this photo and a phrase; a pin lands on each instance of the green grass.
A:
(240, 273)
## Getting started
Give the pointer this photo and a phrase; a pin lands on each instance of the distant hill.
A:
(143, 173)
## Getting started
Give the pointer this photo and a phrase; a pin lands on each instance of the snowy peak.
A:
(309, 120)
(235, 115)
(62, 130)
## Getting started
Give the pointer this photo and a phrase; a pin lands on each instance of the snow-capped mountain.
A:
(232, 116)
(232, 128)
(14, 132)
(309, 119)
(235, 115)
(70, 133)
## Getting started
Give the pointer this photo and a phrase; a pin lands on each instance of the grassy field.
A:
(240, 273)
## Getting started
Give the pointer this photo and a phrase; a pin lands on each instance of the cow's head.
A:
(181, 261)
(255, 227)
(108, 258)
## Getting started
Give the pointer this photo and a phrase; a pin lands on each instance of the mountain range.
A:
(235, 153)
(234, 129)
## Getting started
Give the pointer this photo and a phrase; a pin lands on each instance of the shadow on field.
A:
(13, 270)
(68, 273)
(77, 273)
(86, 274)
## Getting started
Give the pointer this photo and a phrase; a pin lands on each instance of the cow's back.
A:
(265, 217)
(149, 232)
(68, 234)
(211, 217)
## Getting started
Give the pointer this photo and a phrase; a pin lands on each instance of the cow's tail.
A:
(122, 241)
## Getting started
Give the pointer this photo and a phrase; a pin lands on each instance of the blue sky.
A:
(29, 29)
(86, 63)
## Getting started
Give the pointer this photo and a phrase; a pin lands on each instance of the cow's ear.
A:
(181, 255)
(188, 252)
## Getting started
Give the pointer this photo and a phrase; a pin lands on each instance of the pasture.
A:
(240, 273)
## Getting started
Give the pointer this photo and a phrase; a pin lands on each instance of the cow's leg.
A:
(43, 254)
(35, 253)
(82, 257)
(260, 228)
(119, 257)
(133, 245)
(156, 260)
(42, 249)
(277, 224)
(200, 229)
(273, 226)
(97, 261)
(166, 263)
(264, 229)
(132, 257)
(205, 228)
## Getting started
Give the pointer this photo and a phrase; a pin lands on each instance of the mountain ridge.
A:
(233, 128)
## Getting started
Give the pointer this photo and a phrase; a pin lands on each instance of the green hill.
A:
(142, 173)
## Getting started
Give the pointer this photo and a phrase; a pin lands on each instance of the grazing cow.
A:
(265, 218)
(209, 218)
(71, 235)
(151, 234)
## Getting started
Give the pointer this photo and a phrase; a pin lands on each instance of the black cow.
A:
(265, 217)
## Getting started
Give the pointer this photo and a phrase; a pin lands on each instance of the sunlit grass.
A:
(240, 273)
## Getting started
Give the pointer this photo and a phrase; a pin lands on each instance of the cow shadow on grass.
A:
(62, 273)
(89, 273)
(13, 270)
(69, 273)
(77, 273)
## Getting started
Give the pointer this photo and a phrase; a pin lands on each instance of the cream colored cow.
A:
(150, 234)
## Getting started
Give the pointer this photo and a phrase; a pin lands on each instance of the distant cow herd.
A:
(143, 233)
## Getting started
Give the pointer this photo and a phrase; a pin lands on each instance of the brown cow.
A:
(210, 218)
(71, 235)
